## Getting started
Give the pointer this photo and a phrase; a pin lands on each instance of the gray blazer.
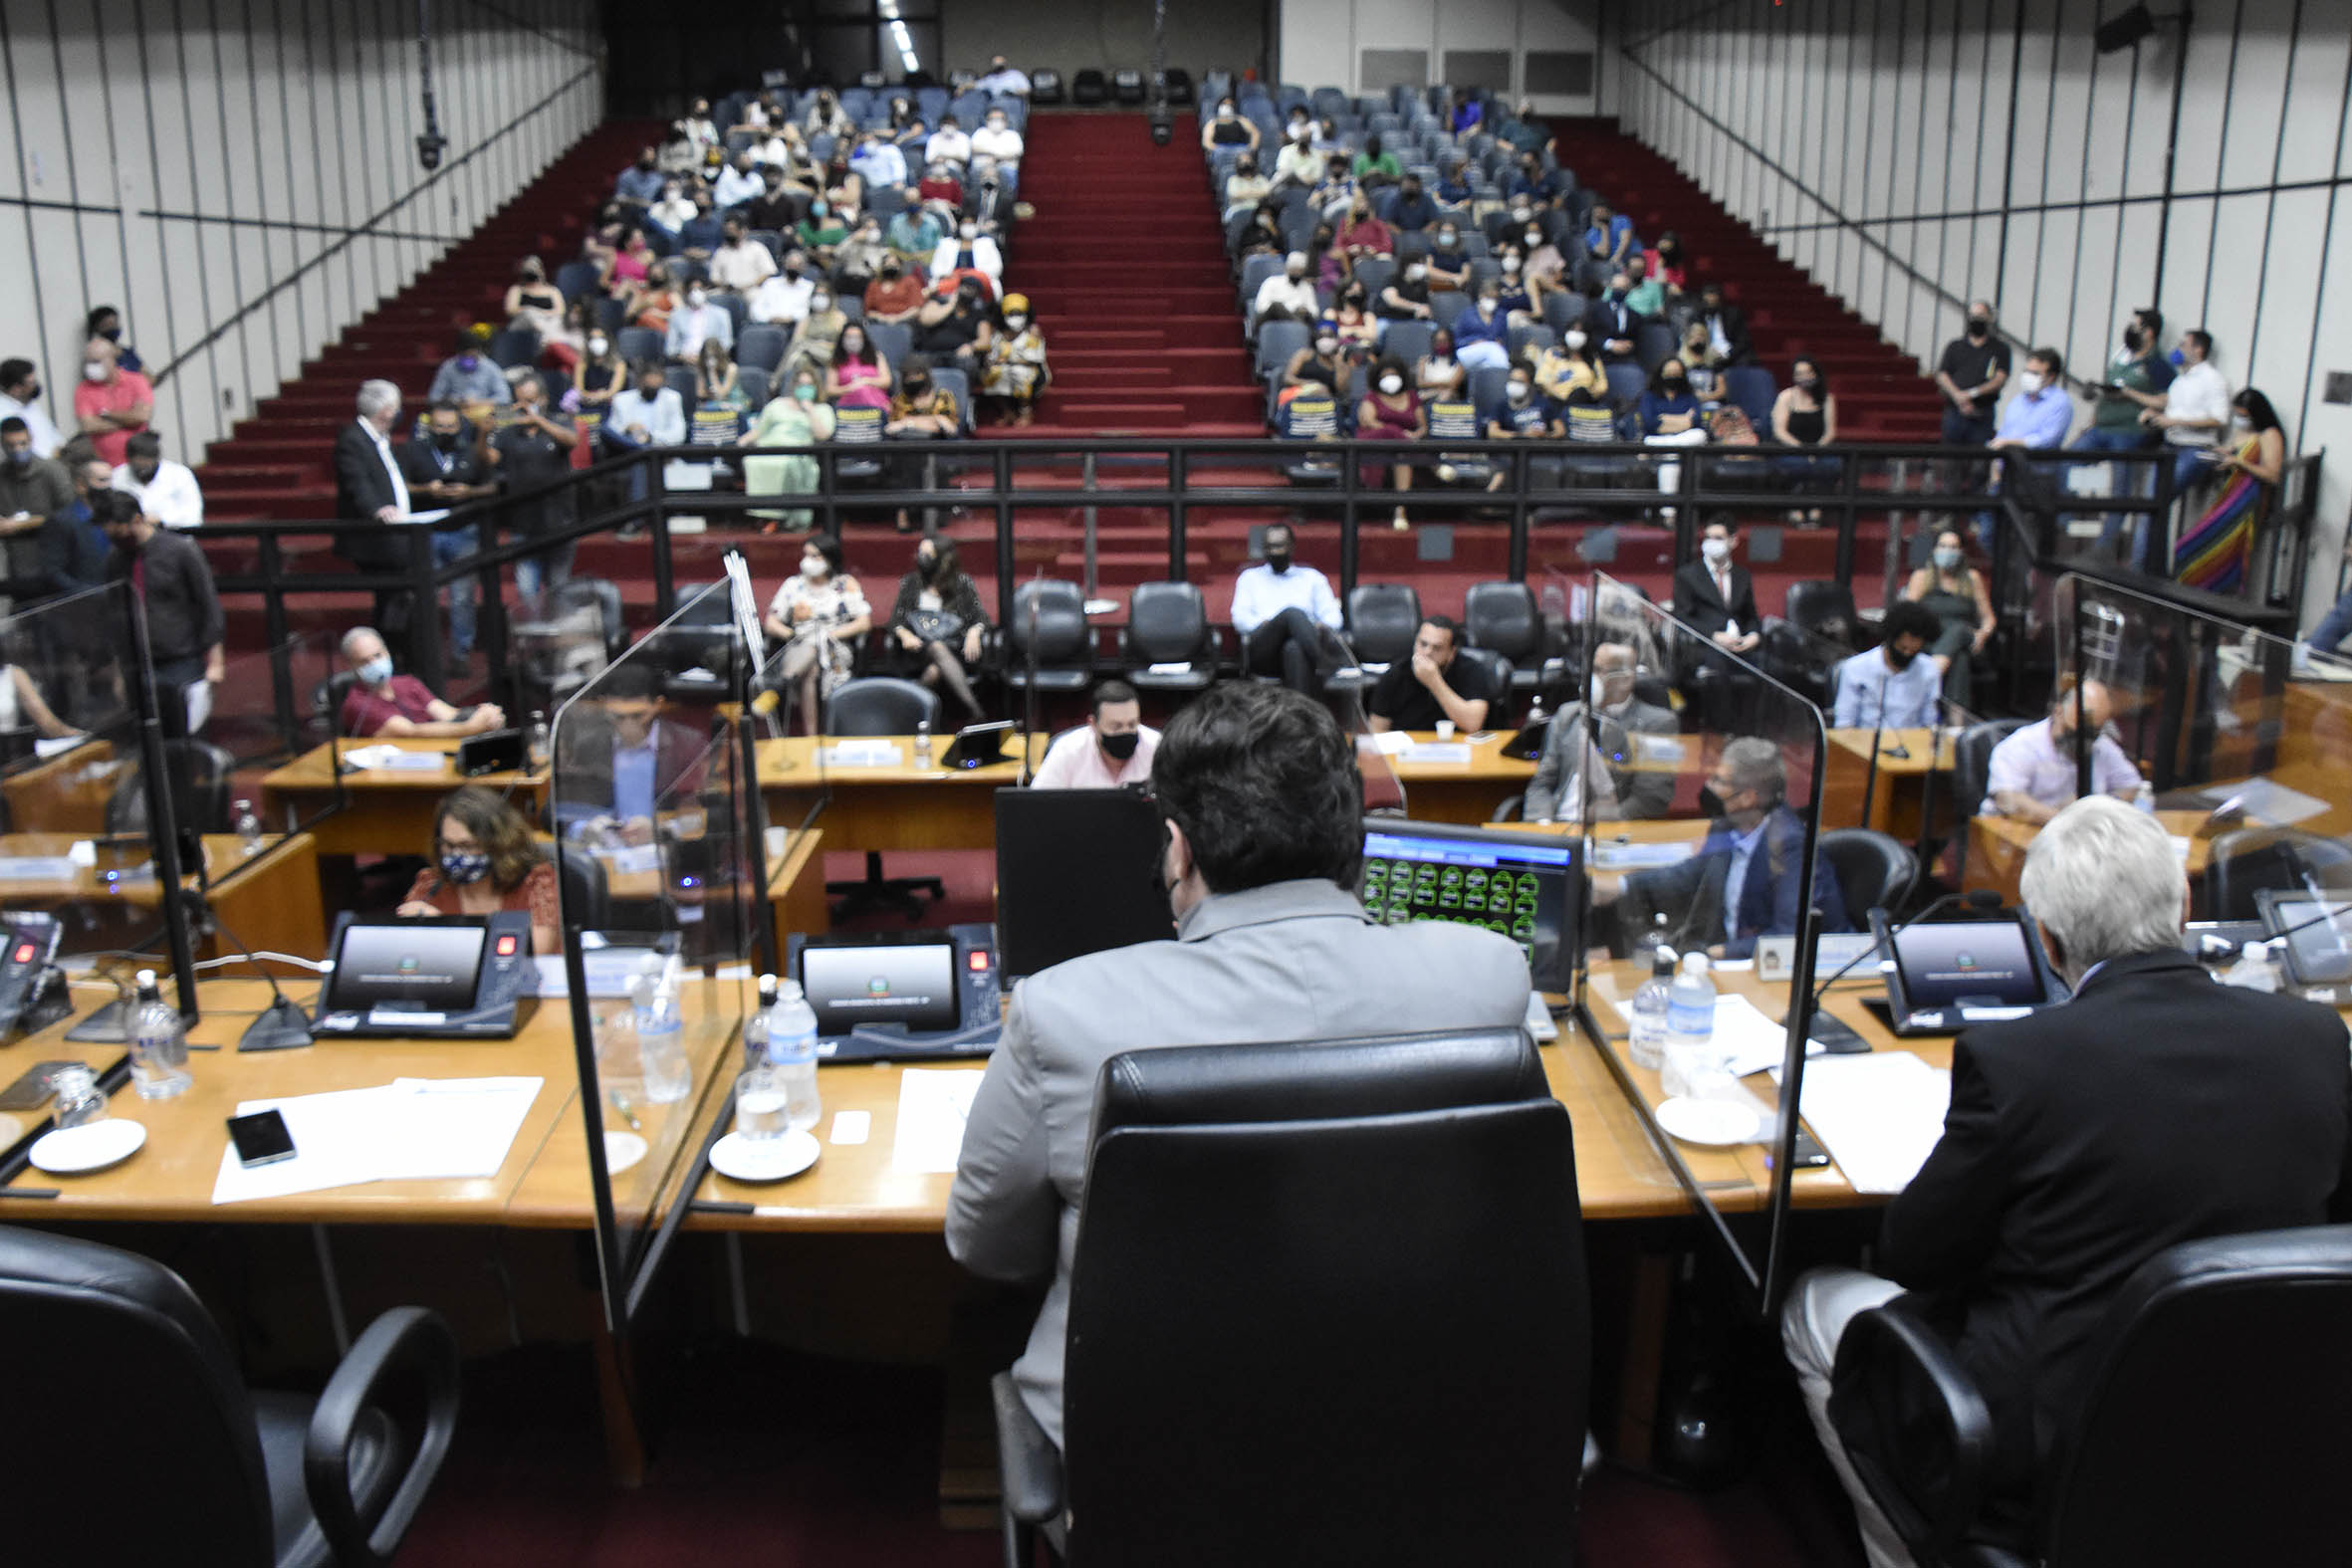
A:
(1292, 961)
(1640, 792)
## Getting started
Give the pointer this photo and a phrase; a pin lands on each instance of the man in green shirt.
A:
(2136, 375)
(1375, 165)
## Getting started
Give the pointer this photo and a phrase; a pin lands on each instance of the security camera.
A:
(429, 150)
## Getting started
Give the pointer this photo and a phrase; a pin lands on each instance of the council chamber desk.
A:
(380, 811)
(267, 898)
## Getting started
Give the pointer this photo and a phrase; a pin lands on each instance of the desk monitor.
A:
(1077, 872)
(451, 974)
(497, 751)
(2318, 933)
(1943, 976)
(907, 978)
(978, 746)
(1528, 887)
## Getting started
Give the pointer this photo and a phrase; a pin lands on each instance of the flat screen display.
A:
(420, 965)
(1521, 885)
(1982, 959)
(911, 983)
(2318, 934)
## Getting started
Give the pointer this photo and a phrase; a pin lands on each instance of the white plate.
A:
(764, 1158)
(92, 1146)
(622, 1149)
(1714, 1123)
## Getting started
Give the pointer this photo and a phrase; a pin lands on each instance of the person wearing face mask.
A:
(1610, 324)
(778, 206)
(1376, 165)
(1392, 411)
(999, 141)
(948, 144)
(1245, 187)
(740, 264)
(1523, 416)
(2138, 375)
(400, 707)
(620, 762)
(72, 542)
(1893, 685)
(640, 185)
(1512, 294)
(2031, 775)
(1287, 296)
(2036, 419)
(1745, 880)
(915, 231)
(1363, 234)
(797, 415)
(937, 626)
(1644, 295)
(1448, 260)
(702, 321)
(470, 377)
(1404, 297)
(820, 327)
(20, 399)
(738, 182)
(818, 615)
(955, 326)
(1297, 162)
(1112, 749)
(920, 410)
(597, 376)
(1728, 341)
(1281, 610)
(1263, 807)
(822, 232)
(33, 492)
(485, 861)
(1615, 780)
(1805, 415)
(1971, 376)
(1357, 326)
(859, 259)
(860, 376)
(1017, 370)
(2213, 554)
(1002, 80)
(1414, 212)
(112, 404)
(672, 212)
(968, 253)
(534, 449)
(445, 467)
(1335, 192)
(1951, 590)
(1716, 596)
(1482, 334)
(164, 490)
(895, 294)
(782, 301)
(106, 321)
(1569, 369)
(182, 610)
(1608, 238)
(1227, 128)
(1317, 365)
(1441, 376)
(878, 162)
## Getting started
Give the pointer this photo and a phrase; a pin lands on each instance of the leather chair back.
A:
(1381, 620)
(1167, 624)
(880, 705)
(1318, 1288)
(587, 894)
(130, 1380)
(199, 774)
(1481, 672)
(1972, 759)
(1823, 609)
(2241, 863)
(1873, 870)
(1502, 617)
(327, 700)
(2213, 1428)
(1060, 616)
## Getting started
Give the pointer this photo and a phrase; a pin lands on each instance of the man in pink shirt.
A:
(1114, 750)
(112, 403)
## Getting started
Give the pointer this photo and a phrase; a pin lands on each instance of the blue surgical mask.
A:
(2178, 358)
(376, 671)
(462, 867)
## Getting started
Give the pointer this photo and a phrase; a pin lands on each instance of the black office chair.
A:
(1317, 1286)
(1873, 870)
(1381, 620)
(133, 1381)
(1502, 617)
(882, 704)
(2210, 1428)
(327, 698)
(199, 774)
(1481, 672)
(1065, 642)
(1972, 766)
(2242, 862)
(1168, 624)
(587, 892)
(700, 637)
(1823, 609)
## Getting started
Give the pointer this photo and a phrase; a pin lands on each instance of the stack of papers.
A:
(932, 1105)
(393, 758)
(408, 1130)
(1879, 1115)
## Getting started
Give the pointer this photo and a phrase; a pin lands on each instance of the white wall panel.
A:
(1322, 41)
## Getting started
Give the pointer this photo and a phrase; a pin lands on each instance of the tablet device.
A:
(2317, 929)
(978, 745)
(904, 977)
(422, 966)
(1943, 976)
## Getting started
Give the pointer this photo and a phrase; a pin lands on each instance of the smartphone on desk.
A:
(34, 1086)
(261, 1139)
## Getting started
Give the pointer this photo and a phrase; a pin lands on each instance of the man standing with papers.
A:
(2157, 1107)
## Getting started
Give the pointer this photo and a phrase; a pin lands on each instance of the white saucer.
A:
(622, 1149)
(1714, 1123)
(764, 1158)
(92, 1146)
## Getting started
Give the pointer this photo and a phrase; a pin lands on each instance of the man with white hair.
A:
(371, 488)
(1287, 296)
(2155, 1107)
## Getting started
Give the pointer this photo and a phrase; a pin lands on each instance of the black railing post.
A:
(1523, 471)
(1348, 518)
(1006, 566)
(829, 487)
(1176, 519)
(1848, 491)
(424, 609)
(665, 586)
(2157, 551)
(273, 614)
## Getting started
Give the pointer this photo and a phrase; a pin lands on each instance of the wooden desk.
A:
(1462, 793)
(380, 811)
(269, 899)
(69, 793)
(795, 885)
(1899, 799)
(895, 807)
(1998, 844)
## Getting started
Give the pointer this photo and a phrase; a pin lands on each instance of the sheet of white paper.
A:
(1439, 753)
(1878, 1115)
(932, 1105)
(417, 762)
(47, 747)
(2181, 847)
(38, 868)
(1753, 1039)
(861, 754)
(334, 1145)
(1637, 857)
(199, 695)
(852, 1127)
(1388, 743)
(2267, 801)
(428, 515)
(411, 1129)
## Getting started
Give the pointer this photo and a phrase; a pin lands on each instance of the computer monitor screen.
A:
(909, 981)
(1982, 959)
(429, 965)
(1528, 887)
(2318, 933)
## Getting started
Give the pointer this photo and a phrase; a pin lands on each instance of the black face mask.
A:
(1119, 747)
(1979, 326)
(1677, 384)
(1710, 803)
(1898, 660)
(2133, 339)
(1278, 562)
(915, 383)
(447, 443)
(929, 567)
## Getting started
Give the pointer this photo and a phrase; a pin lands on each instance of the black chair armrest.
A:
(403, 1340)
(1914, 1425)
(1029, 1466)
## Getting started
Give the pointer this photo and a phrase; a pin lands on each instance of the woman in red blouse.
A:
(485, 860)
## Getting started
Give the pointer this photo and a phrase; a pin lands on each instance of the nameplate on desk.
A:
(861, 754)
(1994, 1014)
(1639, 858)
(631, 859)
(1658, 749)
(1775, 956)
(38, 868)
(1438, 753)
(396, 1017)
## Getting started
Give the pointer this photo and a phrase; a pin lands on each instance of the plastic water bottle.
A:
(922, 743)
(158, 1044)
(1648, 1042)
(754, 1028)
(1536, 712)
(1690, 1027)
(2253, 970)
(661, 1045)
(542, 747)
(792, 1050)
(248, 827)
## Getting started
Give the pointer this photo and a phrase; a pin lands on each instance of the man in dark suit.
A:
(1726, 327)
(1716, 598)
(1610, 324)
(1745, 881)
(988, 201)
(371, 488)
(2157, 1107)
(1624, 720)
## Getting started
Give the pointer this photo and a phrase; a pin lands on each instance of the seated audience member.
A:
(1440, 375)
(1608, 238)
(998, 141)
(942, 187)
(700, 236)
(1415, 695)
(32, 490)
(1669, 411)
(1570, 368)
(1511, 288)
(1392, 411)
(1363, 234)
(1245, 186)
(822, 233)
(640, 185)
(938, 627)
(819, 330)
(112, 404)
(1002, 80)
(1353, 320)
(1644, 295)
(878, 162)
(2031, 775)
(819, 615)
(1523, 416)
(1454, 190)
(1668, 265)
(1448, 262)
(20, 399)
(778, 208)
(1404, 297)
(1226, 129)
(740, 264)
(1335, 192)
(969, 251)
(1482, 334)
(989, 200)
(860, 376)
(1953, 592)
(1610, 324)
(622, 761)
(1726, 327)
(1376, 165)
(1635, 790)
(1715, 594)
(914, 230)
(703, 321)
(1262, 234)
(738, 183)
(485, 861)
(401, 706)
(722, 406)
(895, 294)
(1892, 685)
(1264, 808)
(783, 298)
(534, 303)
(1744, 883)
(1414, 211)
(797, 415)
(948, 144)
(826, 117)
(2154, 1108)
(859, 259)
(1287, 296)
(649, 414)
(1017, 374)
(470, 378)
(1318, 364)
(1297, 163)
(1112, 749)
(1281, 609)
(955, 326)
(655, 301)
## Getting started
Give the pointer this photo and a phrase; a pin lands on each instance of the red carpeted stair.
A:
(280, 462)
(1881, 396)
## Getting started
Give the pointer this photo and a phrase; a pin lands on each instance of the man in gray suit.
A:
(1263, 808)
(1640, 792)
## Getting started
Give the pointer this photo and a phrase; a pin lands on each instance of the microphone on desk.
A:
(281, 1025)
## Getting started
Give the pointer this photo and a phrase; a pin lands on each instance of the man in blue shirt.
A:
(1891, 685)
(620, 763)
(640, 185)
(2036, 419)
(878, 162)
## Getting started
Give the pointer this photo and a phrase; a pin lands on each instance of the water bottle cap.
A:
(788, 991)
(145, 978)
(2255, 953)
(1662, 960)
(767, 984)
(1694, 964)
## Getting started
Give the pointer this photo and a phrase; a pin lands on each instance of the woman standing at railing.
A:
(2214, 554)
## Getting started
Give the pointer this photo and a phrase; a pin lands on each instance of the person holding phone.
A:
(484, 860)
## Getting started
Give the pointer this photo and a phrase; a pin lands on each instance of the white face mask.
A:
(1415, 273)
(1016, 321)
(1326, 345)
(1948, 559)
(1534, 238)
(813, 567)
(1600, 691)
(968, 230)
(1519, 391)
(2029, 381)
(1573, 338)
(94, 371)
(1510, 264)
(1717, 550)
(598, 345)
(695, 296)
(1392, 384)
(2240, 423)
(1486, 306)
